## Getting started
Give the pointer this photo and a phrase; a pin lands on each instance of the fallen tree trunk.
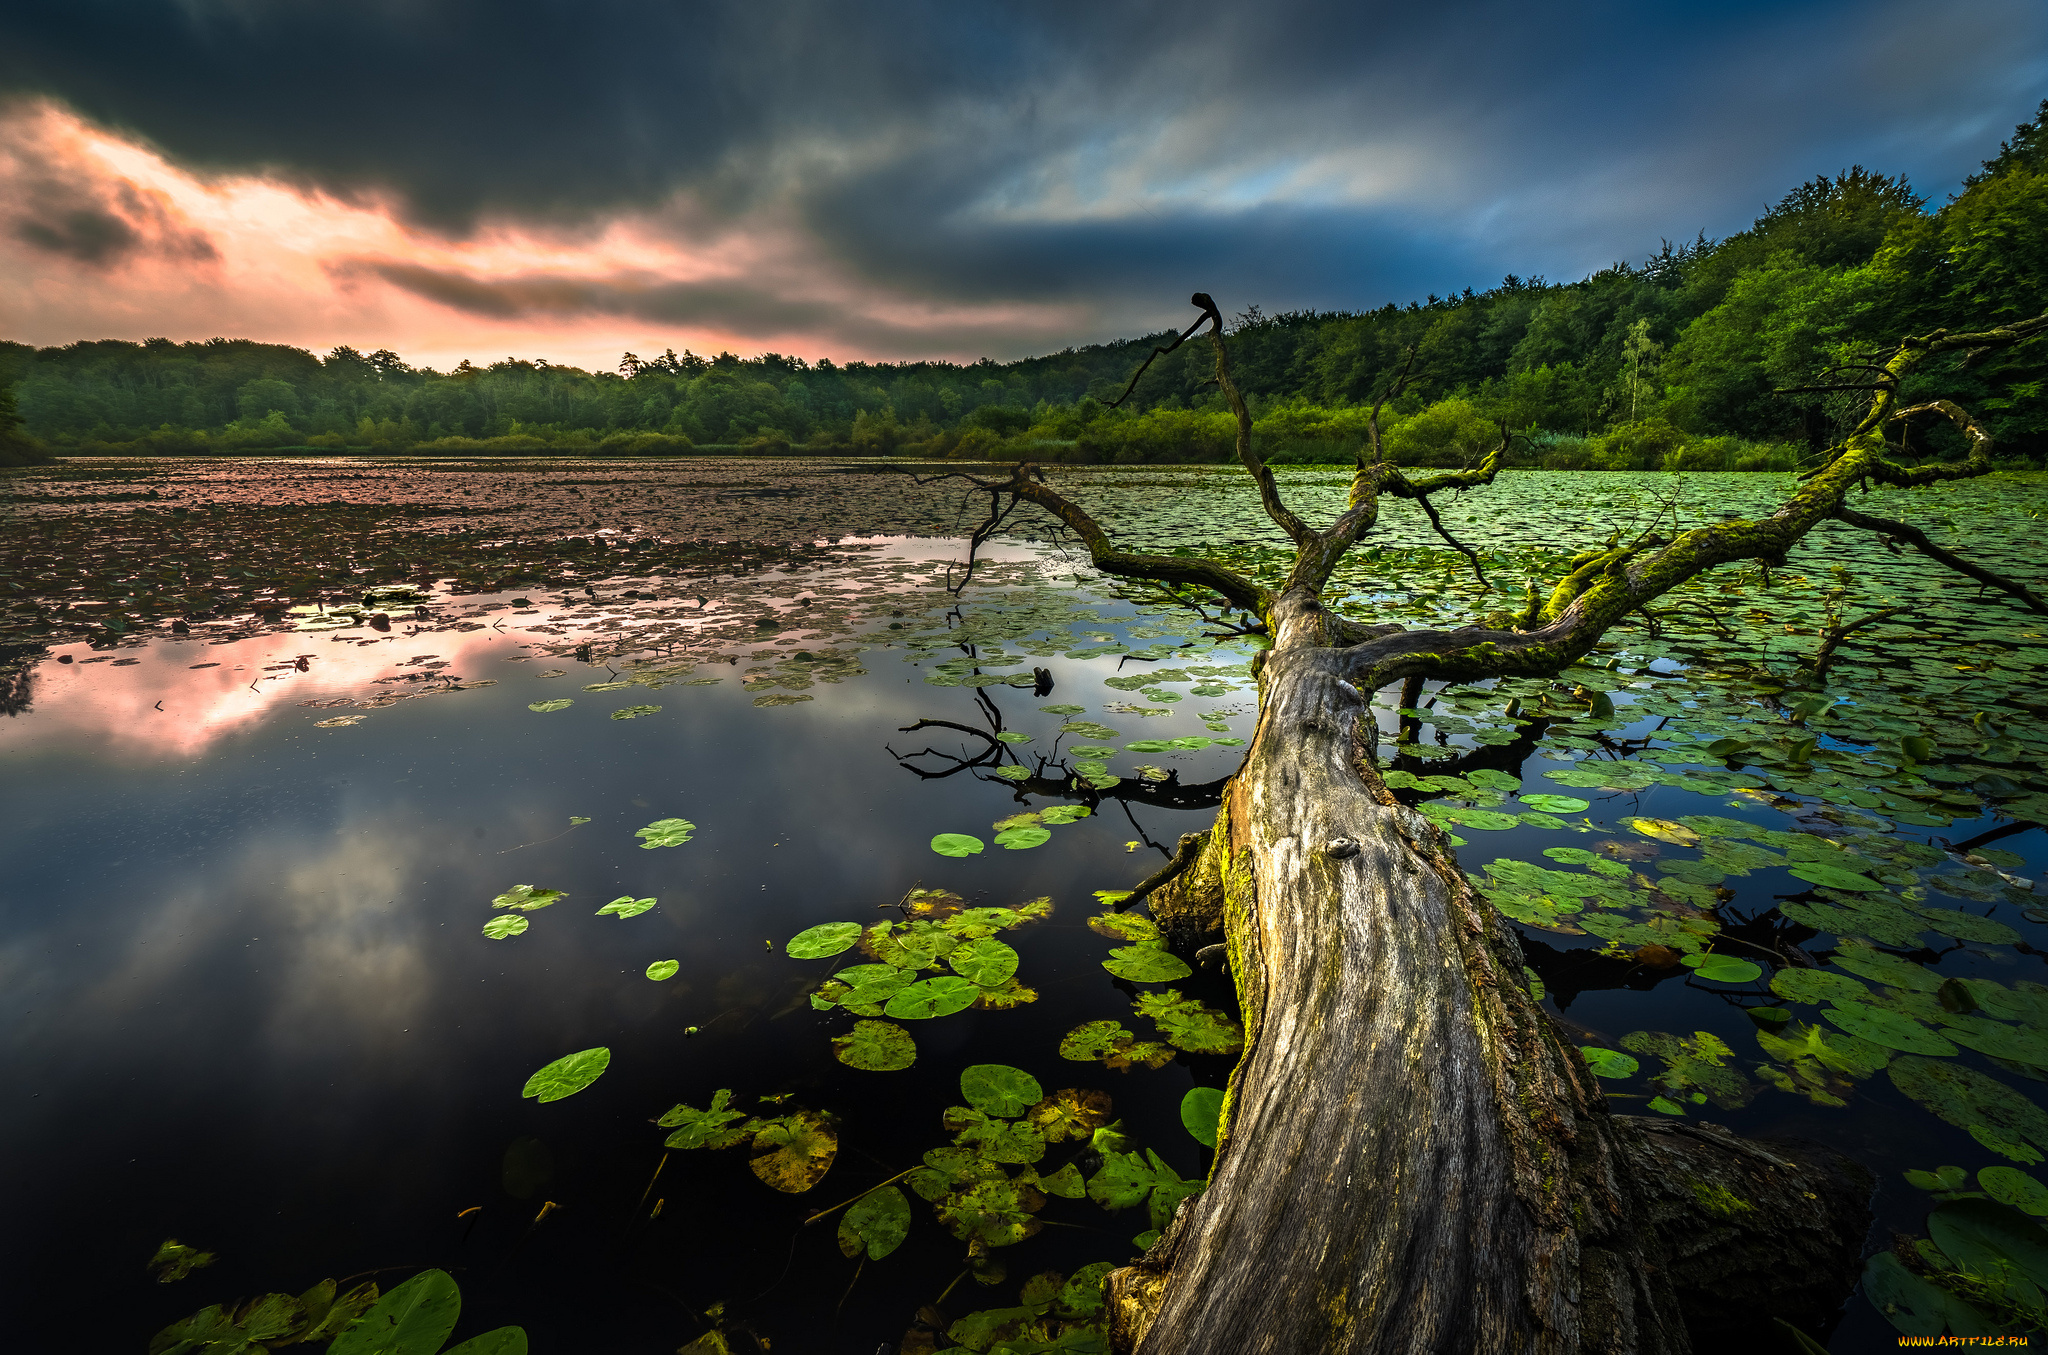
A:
(1408, 1141)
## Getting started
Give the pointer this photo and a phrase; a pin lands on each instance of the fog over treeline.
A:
(1673, 362)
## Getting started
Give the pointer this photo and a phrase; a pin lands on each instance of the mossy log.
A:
(1408, 1139)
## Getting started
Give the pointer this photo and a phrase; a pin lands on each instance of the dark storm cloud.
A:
(92, 221)
(1112, 157)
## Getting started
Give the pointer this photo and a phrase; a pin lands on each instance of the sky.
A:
(894, 180)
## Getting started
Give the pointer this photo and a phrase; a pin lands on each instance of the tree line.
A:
(1715, 354)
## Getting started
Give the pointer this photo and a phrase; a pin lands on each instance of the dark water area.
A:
(253, 1007)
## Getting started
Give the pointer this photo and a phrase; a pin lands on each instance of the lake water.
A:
(249, 867)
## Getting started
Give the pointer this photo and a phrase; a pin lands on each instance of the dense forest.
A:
(1684, 361)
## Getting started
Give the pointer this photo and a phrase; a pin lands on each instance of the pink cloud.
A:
(108, 239)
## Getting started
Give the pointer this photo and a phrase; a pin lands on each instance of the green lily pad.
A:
(1491, 819)
(1012, 773)
(1017, 1142)
(1893, 1030)
(1070, 1113)
(1200, 1111)
(986, 962)
(626, 906)
(1148, 746)
(1065, 814)
(665, 833)
(713, 1128)
(568, 1075)
(1609, 1062)
(825, 939)
(998, 1089)
(877, 1223)
(1188, 1024)
(1012, 736)
(413, 1319)
(875, 1047)
(940, 996)
(544, 707)
(793, 1152)
(1146, 964)
(1017, 839)
(1109, 1043)
(1862, 958)
(1556, 804)
(498, 928)
(635, 712)
(1982, 1235)
(1909, 1303)
(663, 969)
(1723, 968)
(1972, 1101)
(2010, 1186)
(957, 844)
(1817, 986)
(1833, 877)
(1063, 709)
(527, 899)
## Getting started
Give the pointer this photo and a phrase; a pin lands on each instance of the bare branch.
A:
(1824, 657)
(1209, 312)
(1457, 545)
(1917, 539)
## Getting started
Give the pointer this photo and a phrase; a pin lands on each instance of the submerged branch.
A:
(1918, 540)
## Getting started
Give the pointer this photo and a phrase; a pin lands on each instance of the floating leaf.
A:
(498, 928)
(794, 1152)
(958, 844)
(545, 707)
(663, 969)
(1188, 1024)
(986, 962)
(1146, 964)
(413, 1319)
(527, 899)
(999, 1089)
(877, 1223)
(1817, 985)
(1893, 1030)
(875, 1047)
(1200, 1111)
(1063, 709)
(1112, 1045)
(940, 996)
(1983, 1235)
(1013, 1141)
(1664, 830)
(340, 722)
(2010, 1186)
(1609, 1062)
(995, 1212)
(1972, 1101)
(825, 939)
(626, 906)
(1065, 1183)
(1131, 927)
(1070, 1113)
(1017, 839)
(1723, 968)
(1556, 804)
(665, 833)
(174, 1261)
(1833, 877)
(1908, 1302)
(713, 1128)
(1065, 814)
(635, 712)
(1012, 736)
(1148, 746)
(568, 1075)
(1860, 957)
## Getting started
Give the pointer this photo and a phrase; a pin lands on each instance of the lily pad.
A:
(1200, 1112)
(1892, 1029)
(958, 844)
(412, 1319)
(626, 906)
(713, 1128)
(568, 1075)
(2010, 1186)
(527, 899)
(544, 707)
(793, 1153)
(986, 962)
(1817, 985)
(1609, 1062)
(1109, 1043)
(663, 969)
(1146, 964)
(635, 712)
(825, 939)
(1556, 804)
(1664, 830)
(1723, 968)
(1132, 927)
(498, 928)
(999, 1089)
(1188, 1024)
(1832, 877)
(1913, 1305)
(1971, 1100)
(940, 996)
(877, 1223)
(665, 833)
(1070, 1113)
(1983, 1235)
(875, 1047)
(1018, 1142)
(1017, 839)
